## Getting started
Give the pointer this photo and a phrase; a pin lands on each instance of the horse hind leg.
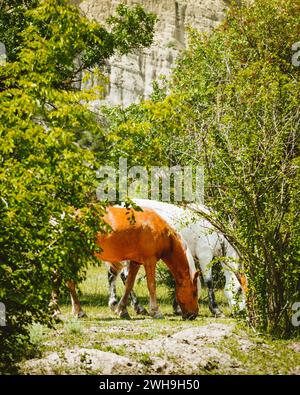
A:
(138, 308)
(121, 309)
(234, 293)
(76, 306)
(53, 305)
(213, 306)
(112, 275)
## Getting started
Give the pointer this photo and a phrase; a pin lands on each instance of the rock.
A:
(191, 348)
(83, 360)
(245, 345)
(160, 365)
(215, 331)
(131, 76)
(295, 347)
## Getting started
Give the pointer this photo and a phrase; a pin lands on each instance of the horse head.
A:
(187, 297)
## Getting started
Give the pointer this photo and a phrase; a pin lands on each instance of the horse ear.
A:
(196, 275)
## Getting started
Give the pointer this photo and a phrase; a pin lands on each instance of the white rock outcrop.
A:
(131, 76)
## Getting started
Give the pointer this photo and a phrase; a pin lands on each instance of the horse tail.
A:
(242, 279)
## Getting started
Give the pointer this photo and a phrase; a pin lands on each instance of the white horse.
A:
(204, 243)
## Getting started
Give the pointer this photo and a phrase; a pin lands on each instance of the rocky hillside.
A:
(131, 76)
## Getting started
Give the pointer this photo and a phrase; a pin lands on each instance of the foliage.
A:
(45, 174)
(147, 134)
(12, 22)
(130, 29)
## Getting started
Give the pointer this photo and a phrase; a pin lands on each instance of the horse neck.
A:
(178, 262)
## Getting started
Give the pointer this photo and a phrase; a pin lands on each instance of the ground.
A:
(105, 344)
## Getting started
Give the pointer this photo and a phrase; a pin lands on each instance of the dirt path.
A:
(126, 347)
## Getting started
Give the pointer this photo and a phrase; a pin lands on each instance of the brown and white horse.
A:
(143, 238)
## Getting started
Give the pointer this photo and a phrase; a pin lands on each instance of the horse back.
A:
(135, 235)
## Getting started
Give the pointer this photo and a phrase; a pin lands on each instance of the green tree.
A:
(45, 174)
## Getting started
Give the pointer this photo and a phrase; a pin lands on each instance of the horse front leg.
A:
(139, 309)
(121, 309)
(150, 274)
(176, 307)
(53, 305)
(205, 257)
(76, 307)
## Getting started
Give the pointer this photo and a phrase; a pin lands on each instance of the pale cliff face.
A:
(131, 76)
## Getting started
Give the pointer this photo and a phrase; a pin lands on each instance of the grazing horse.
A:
(204, 243)
(143, 237)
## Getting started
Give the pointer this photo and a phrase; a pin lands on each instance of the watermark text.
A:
(2, 54)
(2, 314)
(296, 54)
(176, 183)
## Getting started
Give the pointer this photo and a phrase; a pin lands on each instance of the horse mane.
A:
(177, 238)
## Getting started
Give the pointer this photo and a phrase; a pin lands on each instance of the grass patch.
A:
(37, 334)
(73, 327)
(121, 350)
(145, 359)
(263, 354)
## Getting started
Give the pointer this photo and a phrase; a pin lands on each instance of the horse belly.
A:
(116, 249)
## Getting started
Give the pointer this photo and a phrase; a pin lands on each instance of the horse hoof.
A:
(157, 315)
(219, 314)
(56, 314)
(113, 306)
(81, 314)
(125, 316)
(57, 317)
(141, 311)
(177, 311)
